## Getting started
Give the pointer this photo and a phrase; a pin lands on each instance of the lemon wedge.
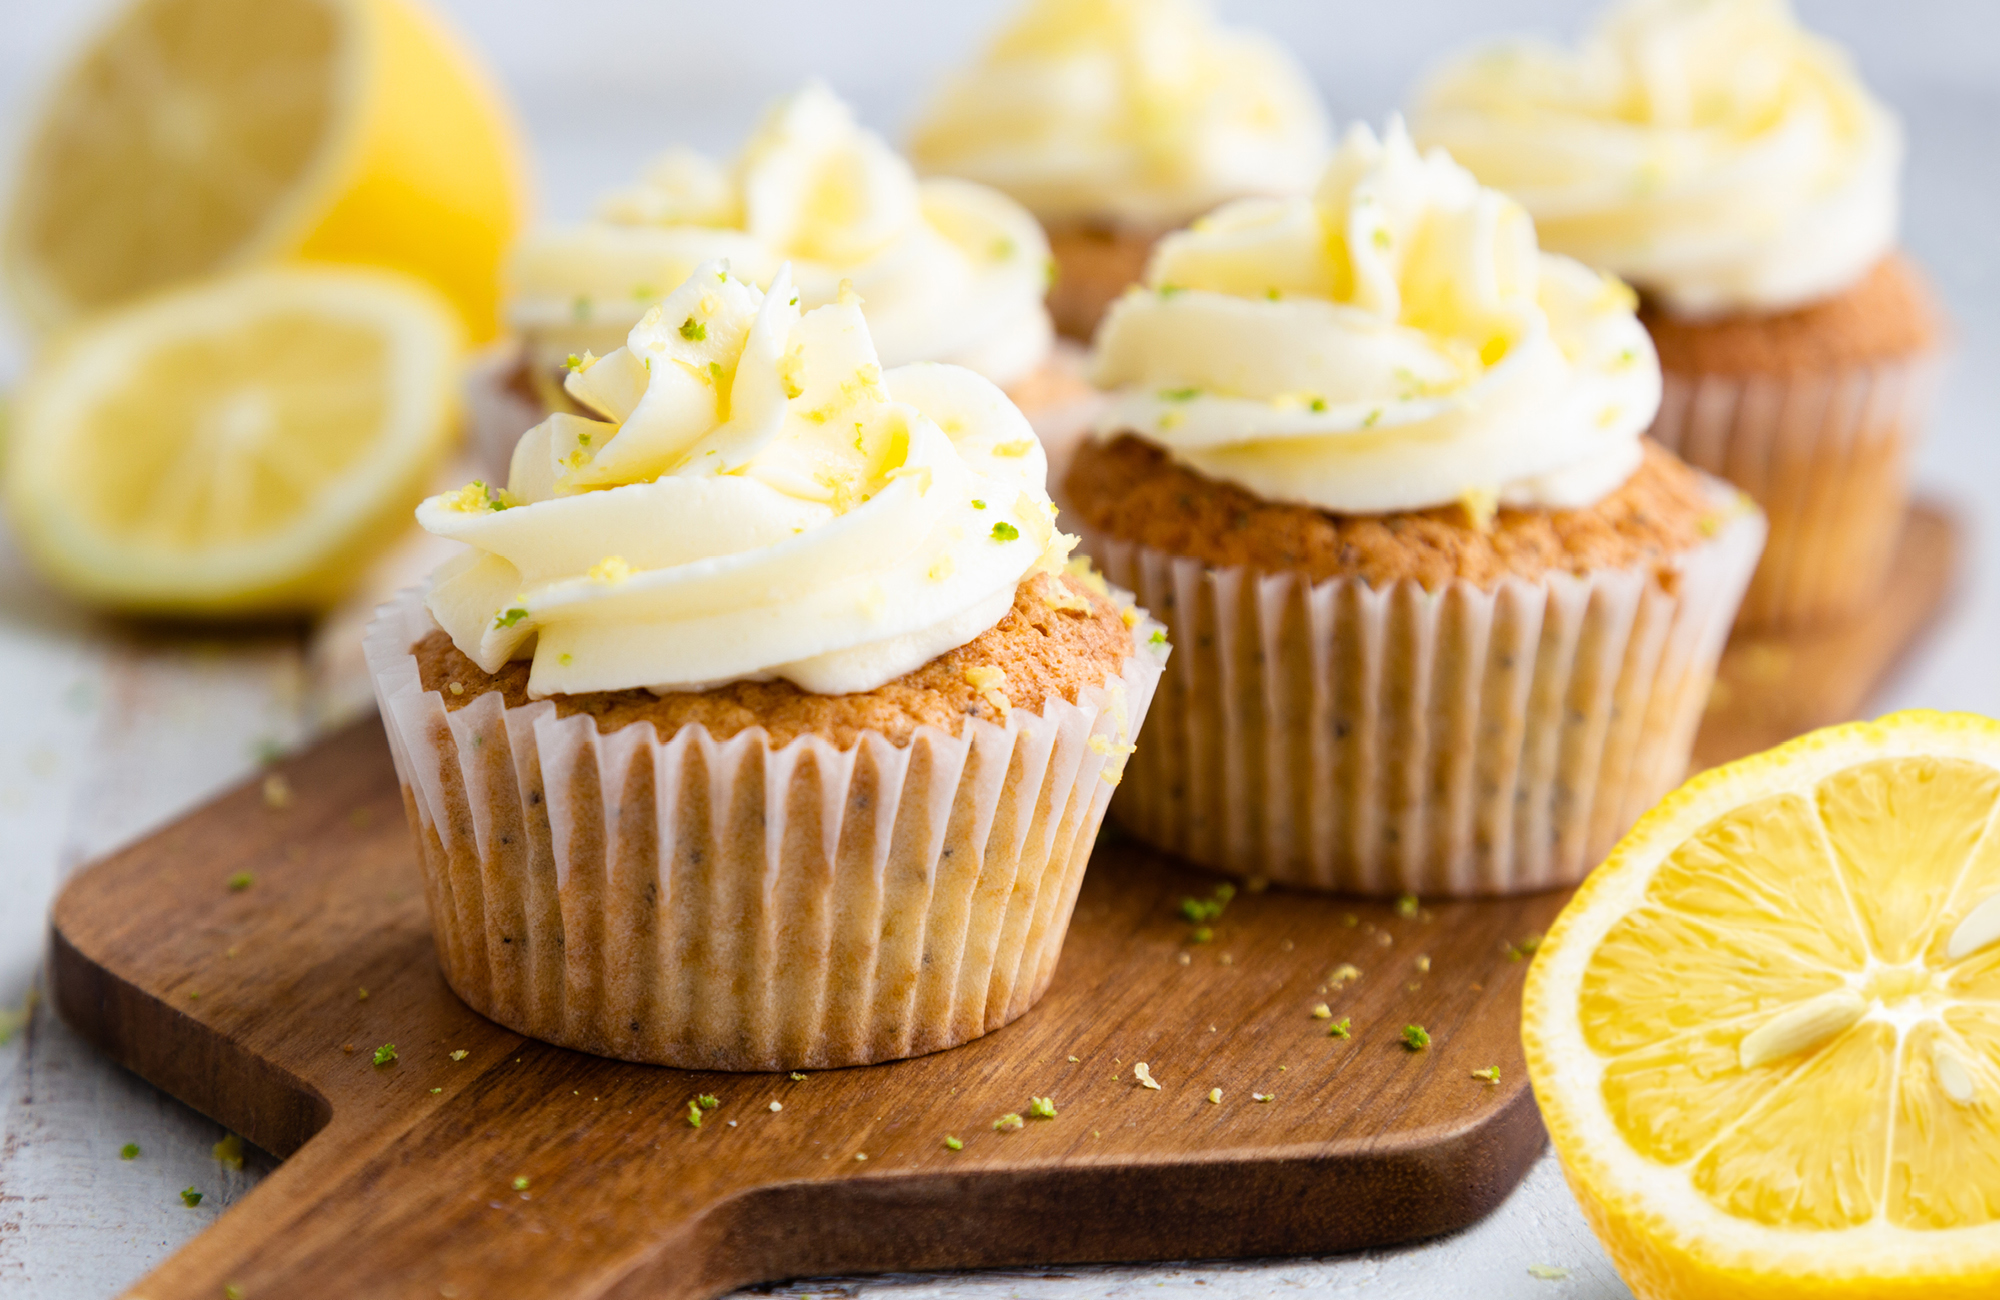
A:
(1765, 1035)
(193, 136)
(242, 447)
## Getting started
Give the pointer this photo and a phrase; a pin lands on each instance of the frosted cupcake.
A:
(760, 725)
(1119, 120)
(1733, 168)
(949, 271)
(1445, 623)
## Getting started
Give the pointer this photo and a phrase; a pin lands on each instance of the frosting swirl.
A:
(950, 271)
(1710, 151)
(760, 500)
(1395, 342)
(1140, 111)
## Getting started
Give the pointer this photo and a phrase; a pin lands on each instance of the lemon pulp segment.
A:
(194, 136)
(244, 428)
(242, 447)
(171, 140)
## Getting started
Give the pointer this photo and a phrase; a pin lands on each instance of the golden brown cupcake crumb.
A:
(1889, 314)
(1130, 489)
(1040, 650)
(1094, 264)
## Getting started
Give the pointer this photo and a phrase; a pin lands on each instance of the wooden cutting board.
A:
(401, 1179)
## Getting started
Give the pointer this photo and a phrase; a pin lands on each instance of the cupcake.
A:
(1116, 121)
(949, 271)
(1735, 170)
(1445, 622)
(761, 724)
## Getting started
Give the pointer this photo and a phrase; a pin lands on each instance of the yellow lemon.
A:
(244, 446)
(1765, 1035)
(193, 136)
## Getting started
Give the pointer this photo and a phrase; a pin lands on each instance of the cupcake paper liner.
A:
(1827, 457)
(719, 904)
(1391, 740)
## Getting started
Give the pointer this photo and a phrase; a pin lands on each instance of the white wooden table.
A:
(113, 732)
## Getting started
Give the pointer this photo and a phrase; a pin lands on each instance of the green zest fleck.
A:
(1042, 1107)
(715, 371)
(1373, 416)
(1382, 239)
(1525, 948)
(1008, 1123)
(953, 1144)
(1406, 906)
(707, 1102)
(1491, 1074)
(641, 292)
(385, 1053)
(1158, 638)
(130, 1151)
(978, 504)
(241, 881)
(1005, 532)
(797, 1077)
(1169, 290)
(694, 1114)
(510, 616)
(564, 658)
(1202, 935)
(190, 1197)
(693, 330)
(575, 362)
(1342, 1028)
(582, 440)
(1416, 1037)
(1179, 394)
(231, 1291)
(521, 1183)
(1272, 293)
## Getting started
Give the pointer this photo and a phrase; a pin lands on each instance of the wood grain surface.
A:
(1769, 689)
(401, 1179)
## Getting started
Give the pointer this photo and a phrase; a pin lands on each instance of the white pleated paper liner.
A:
(725, 905)
(1827, 457)
(1388, 741)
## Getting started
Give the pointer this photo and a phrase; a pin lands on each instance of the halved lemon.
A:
(1765, 1035)
(243, 447)
(193, 136)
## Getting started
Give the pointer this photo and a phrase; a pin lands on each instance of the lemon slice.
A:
(1765, 1035)
(196, 135)
(243, 447)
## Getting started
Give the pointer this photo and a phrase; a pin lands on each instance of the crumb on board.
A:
(229, 1151)
(1144, 1075)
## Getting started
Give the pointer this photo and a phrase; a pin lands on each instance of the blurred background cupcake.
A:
(759, 701)
(1116, 121)
(1444, 623)
(1734, 168)
(949, 271)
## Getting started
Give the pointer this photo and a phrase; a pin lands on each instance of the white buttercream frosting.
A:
(1395, 342)
(1710, 151)
(759, 500)
(1145, 112)
(950, 271)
